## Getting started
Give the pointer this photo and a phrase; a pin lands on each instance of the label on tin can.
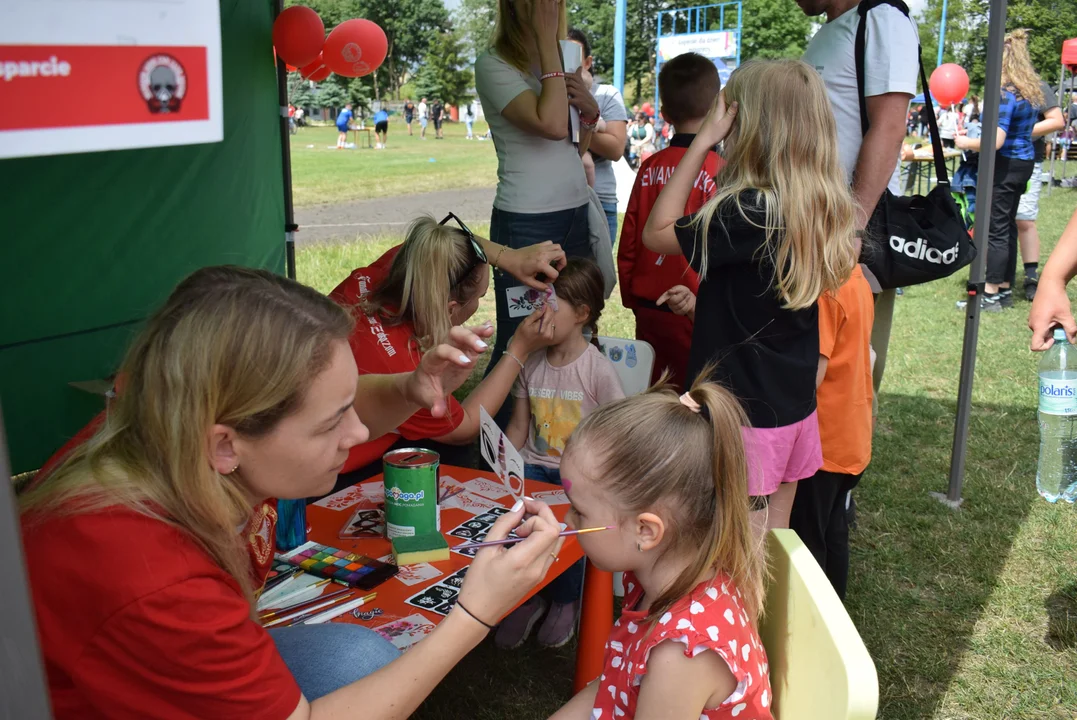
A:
(411, 492)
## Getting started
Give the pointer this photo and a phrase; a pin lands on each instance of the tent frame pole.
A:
(984, 192)
(286, 159)
(23, 692)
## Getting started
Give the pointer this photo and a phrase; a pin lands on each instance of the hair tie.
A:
(689, 402)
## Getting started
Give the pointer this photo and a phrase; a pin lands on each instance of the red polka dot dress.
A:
(711, 617)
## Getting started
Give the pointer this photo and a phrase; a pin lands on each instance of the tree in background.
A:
(445, 71)
(409, 26)
(475, 20)
(300, 93)
(595, 18)
(330, 95)
(773, 29)
(1049, 22)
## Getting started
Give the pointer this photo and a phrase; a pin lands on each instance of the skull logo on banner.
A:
(163, 84)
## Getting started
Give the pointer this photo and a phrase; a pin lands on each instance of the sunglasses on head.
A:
(471, 237)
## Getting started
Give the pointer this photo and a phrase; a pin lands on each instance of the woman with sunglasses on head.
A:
(411, 297)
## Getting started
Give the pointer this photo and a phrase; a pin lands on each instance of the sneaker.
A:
(1031, 283)
(988, 303)
(515, 629)
(559, 625)
(1005, 298)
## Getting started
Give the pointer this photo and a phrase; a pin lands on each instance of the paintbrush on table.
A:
(321, 605)
(509, 541)
(302, 605)
(318, 617)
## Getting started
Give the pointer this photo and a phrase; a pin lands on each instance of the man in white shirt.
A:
(891, 66)
(423, 117)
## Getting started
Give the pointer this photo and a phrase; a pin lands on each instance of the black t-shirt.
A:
(409, 108)
(435, 112)
(1050, 102)
(766, 355)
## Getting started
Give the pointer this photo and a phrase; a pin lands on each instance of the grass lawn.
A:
(969, 615)
(322, 174)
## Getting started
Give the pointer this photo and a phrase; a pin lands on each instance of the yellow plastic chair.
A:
(819, 667)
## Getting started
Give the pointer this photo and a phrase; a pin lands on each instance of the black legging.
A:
(1011, 179)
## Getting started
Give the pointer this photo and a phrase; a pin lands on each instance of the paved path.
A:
(347, 222)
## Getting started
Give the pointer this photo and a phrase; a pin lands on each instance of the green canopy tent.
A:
(96, 241)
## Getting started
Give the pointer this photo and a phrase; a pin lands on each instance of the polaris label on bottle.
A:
(1058, 396)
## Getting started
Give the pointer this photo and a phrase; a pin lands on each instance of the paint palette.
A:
(357, 571)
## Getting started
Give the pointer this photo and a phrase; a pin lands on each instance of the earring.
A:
(236, 467)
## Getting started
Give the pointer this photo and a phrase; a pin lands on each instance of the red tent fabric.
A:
(1069, 53)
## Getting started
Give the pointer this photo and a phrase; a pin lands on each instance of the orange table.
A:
(597, 609)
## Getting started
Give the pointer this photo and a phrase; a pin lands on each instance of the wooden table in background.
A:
(355, 137)
(596, 619)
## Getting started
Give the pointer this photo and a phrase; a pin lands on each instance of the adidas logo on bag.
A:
(920, 250)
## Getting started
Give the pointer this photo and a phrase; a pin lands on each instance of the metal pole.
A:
(23, 692)
(286, 160)
(1054, 139)
(619, 21)
(984, 191)
(942, 35)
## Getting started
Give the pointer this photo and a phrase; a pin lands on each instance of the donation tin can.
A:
(411, 492)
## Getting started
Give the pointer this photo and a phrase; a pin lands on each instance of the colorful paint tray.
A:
(358, 571)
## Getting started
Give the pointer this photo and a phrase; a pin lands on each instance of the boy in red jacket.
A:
(687, 86)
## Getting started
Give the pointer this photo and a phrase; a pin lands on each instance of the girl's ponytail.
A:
(731, 545)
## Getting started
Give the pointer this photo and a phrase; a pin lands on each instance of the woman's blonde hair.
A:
(513, 28)
(1017, 70)
(435, 264)
(654, 454)
(784, 157)
(231, 346)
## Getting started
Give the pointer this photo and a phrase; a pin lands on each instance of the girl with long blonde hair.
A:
(146, 546)
(778, 234)
(408, 301)
(669, 475)
(1015, 161)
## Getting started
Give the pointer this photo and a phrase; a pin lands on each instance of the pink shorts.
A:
(782, 454)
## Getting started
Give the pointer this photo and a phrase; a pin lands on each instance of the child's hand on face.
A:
(719, 121)
(680, 300)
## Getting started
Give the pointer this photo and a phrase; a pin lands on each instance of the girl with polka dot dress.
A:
(670, 473)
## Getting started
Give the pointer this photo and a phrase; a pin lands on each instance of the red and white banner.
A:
(63, 89)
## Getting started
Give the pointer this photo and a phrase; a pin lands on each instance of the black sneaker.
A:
(1031, 282)
(1005, 298)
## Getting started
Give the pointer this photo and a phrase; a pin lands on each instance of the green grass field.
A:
(322, 174)
(969, 615)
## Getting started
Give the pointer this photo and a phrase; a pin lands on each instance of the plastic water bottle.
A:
(291, 524)
(1056, 474)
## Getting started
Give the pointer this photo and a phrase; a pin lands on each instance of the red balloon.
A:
(355, 48)
(949, 84)
(298, 35)
(316, 71)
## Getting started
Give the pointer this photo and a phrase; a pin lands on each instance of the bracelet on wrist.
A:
(590, 120)
(497, 257)
(551, 75)
(474, 617)
(508, 353)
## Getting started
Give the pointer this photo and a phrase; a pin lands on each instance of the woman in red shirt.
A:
(411, 297)
(145, 546)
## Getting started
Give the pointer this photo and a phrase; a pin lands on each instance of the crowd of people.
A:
(245, 387)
